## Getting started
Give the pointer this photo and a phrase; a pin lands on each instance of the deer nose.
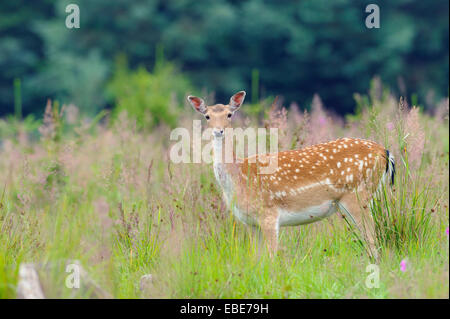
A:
(218, 132)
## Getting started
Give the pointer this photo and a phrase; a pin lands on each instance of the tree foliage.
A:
(298, 47)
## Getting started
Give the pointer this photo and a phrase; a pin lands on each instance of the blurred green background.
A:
(290, 48)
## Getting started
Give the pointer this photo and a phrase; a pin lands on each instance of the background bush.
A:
(152, 98)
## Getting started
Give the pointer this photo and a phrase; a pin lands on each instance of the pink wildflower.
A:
(415, 138)
(322, 120)
(390, 126)
(403, 264)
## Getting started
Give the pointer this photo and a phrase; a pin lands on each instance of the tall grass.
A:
(104, 193)
(403, 214)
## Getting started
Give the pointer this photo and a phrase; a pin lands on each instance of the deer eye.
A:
(229, 115)
(207, 117)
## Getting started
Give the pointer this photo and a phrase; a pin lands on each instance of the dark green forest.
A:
(266, 47)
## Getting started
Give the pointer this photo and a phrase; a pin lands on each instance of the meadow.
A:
(103, 191)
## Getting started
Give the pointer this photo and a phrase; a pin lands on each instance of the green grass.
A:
(107, 197)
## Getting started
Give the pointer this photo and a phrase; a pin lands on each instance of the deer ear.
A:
(237, 100)
(198, 104)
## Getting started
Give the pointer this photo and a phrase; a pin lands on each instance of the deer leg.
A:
(269, 228)
(357, 206)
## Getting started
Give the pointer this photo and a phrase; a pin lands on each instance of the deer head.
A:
(218, 116)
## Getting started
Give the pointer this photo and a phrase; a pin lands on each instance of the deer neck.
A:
(226, 168)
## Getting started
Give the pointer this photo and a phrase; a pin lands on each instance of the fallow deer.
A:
(308, 184)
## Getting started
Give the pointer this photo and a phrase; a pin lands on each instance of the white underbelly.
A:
(307, 215)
